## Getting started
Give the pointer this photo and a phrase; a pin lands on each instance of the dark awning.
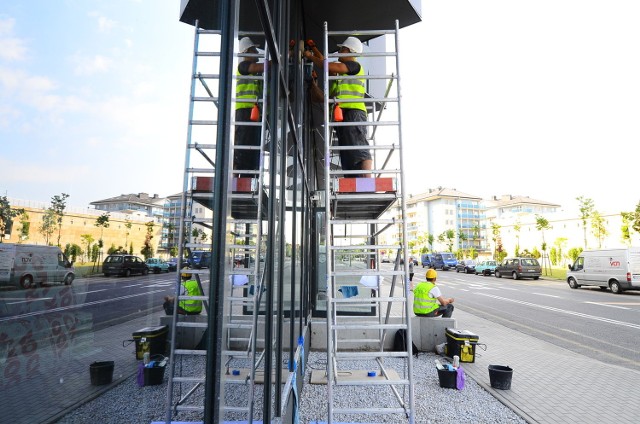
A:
(340, 15)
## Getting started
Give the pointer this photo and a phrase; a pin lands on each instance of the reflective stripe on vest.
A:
(422, 302)
(247, 89)
(351, 89)
(192, 289)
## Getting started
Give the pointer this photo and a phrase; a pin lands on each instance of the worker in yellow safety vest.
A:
(188, 287)
(428, 300)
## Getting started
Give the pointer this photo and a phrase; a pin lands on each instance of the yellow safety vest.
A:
(422, 302)
(351, 89)
(192, 289)
(248, 89)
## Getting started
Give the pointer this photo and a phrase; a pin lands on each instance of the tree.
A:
(495, 232)
(574, 252)
(542, 224)
(559, 244)
(475, 230)
(72, 251)
(88, 239)
(633, 219)
(462, 237)
(25, 226)
(430, 239)
(517, 227)
(598, 227)
(49, 224)
(128, 225)
(586, 208)
(450, 235)
(102, 222)
(147, 249)
(626, 234)
(58, 206)
(6, 215)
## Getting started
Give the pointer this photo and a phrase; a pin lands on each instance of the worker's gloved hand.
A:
(311, 43)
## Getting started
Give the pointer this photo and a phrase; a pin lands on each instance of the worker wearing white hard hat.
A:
(352, 111)
(248, 108)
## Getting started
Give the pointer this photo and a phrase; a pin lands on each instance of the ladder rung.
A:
(202, 122)
(201, 146)
(190, 324)
(367, 326)
(190, 352)
(191, 408)
(189, 379)
(356, 356)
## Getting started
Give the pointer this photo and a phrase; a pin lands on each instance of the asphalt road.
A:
(588, 321)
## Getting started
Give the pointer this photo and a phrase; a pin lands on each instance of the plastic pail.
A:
(447, 378)
(153, 375)
(500, 377)
(101, 372)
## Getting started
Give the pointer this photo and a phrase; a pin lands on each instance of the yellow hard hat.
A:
(186, 274)
(431, 273)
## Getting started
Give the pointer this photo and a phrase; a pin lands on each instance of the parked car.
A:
(427, 260)
(157, 265)
(486, 267)
(173, 264)
(519, 268)
(444, 261)
(200, 259)
(468, 266)
(385, 259)
(125, 265)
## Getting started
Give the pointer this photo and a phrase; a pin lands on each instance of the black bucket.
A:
(101, 372)
(447, 378)
(153, 375)
(500, 377)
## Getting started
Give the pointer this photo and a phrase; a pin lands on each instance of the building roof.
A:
(140, 198)
(442, 192)
(513, 200)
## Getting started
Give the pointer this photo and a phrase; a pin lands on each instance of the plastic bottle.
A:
(456, 361)
(337, 113)
(255, 113)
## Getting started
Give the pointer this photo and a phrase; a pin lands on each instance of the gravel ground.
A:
(129, 403)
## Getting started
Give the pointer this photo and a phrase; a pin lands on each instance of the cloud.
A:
(91, 65)
(11, 48)
(104, 24)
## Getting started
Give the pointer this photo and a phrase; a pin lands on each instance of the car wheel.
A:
(486, 272)
(457, 270)
(145, 271)
(26, 282)
(127, 272)
(535, 278)
(615, 287)
(68, 280)
(573, 283)
(156, 270)
(514, 275)
(498, 275)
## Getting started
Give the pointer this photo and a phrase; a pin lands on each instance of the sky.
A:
(535, 98)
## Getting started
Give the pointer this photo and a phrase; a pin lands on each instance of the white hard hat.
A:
(246, 44)
(353, 44)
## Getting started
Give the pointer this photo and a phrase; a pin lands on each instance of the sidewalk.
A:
(53, 387)
(551, 384)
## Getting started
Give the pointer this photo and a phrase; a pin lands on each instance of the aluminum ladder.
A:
(367, 303)
(243, 247)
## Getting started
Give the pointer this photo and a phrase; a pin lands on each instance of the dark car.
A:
(173, 264)
(125, 265)
(517, 268)
(468, 266)
(200, 259)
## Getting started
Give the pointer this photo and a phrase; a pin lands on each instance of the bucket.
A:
(153, 375)
(447, 378)
(101, 372)
(500, 377)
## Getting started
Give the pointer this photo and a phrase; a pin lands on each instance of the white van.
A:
(29, 264)
(617, 269)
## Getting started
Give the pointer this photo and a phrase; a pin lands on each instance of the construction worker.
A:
(188, 287)
(428, 300)
(352, 135)
(249, 89)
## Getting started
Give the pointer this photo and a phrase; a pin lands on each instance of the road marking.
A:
(548, 295)
(551, 308)
(92, 291)
(132, 285)
(82, 305)
(609, 306)
(22, 300)
(167, 284)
